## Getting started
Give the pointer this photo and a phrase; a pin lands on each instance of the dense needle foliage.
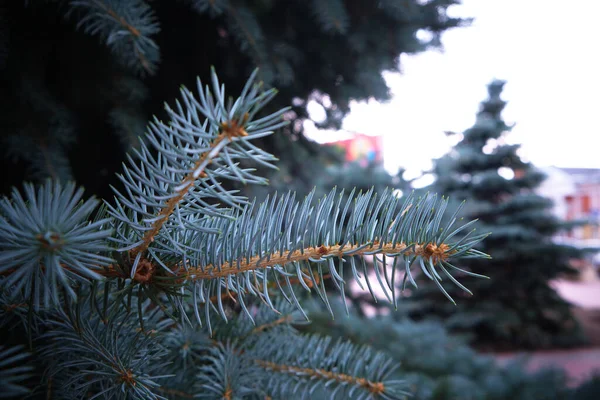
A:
(179, 277)
(82, 77)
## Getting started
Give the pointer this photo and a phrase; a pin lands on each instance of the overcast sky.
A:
(548, 51)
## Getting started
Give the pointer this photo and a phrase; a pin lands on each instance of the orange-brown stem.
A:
(127, 377)
(279, 321)
(168, 209)
(228, 393)
(229, 130)
(436, 253)
(132, 29)
(375, 388)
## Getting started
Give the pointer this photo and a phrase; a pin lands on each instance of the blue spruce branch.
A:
(48, 243)
(173, 242)
(127, 298)
(126, 27)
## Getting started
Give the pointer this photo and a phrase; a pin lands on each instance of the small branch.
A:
(229, 130)
(251, 39)
(436, 253)
(168, 209)
(283, 320)
(132, 29)
(376, 388)
(228, 393)
(11, 307)
(134, 32)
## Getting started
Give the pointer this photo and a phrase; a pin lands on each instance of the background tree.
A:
(82, 77)
(516, 307)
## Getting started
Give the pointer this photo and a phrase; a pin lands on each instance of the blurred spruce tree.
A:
(516, 307)
(82, 77)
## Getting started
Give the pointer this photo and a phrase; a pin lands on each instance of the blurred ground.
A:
(580, 363)
(582, 294)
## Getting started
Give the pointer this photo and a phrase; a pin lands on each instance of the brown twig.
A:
(376, 388)
(229, 130)
(430, 251)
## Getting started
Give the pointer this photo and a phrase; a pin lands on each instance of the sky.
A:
(548, 51)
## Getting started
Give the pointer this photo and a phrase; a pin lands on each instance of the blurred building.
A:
(576, 196)
(363, 149)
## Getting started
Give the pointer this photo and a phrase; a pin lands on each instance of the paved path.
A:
(581, 294)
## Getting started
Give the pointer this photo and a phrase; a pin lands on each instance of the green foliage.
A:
(126, 116)
(213, 7)
(126, 27)
(119, 359)
(87, 55)
(117, 300)
(14, 369)
(353, 175)
(112, 358)
(516, 308)
(50, 228)
(44, 138)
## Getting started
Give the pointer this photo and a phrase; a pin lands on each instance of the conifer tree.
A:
(516, 307)
(80, 78)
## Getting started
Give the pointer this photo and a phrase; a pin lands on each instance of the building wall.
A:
(576, 196)
(584, 203)
(557, 187)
